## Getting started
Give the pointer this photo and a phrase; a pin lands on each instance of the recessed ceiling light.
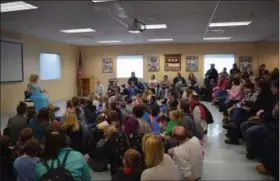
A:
(221, 24)
(110, 41)
(16, 6)
(80, 30)
(156, 26)
(101, 1)
(164, 39)
(216, 38)
(134, 31)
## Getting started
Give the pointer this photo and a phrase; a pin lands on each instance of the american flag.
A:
(80, 67)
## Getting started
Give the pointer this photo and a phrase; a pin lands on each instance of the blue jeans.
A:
(246, 129)
(255, 135)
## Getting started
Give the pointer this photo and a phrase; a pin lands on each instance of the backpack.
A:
(59, 173)
(209, 117)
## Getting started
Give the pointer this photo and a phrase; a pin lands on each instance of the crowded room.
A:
(112, 90)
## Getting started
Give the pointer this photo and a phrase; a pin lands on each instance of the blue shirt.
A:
(155, 125)
(38, 130)
(146, 117)
(25, 168)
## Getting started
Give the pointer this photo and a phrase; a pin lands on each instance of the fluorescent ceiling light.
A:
(16, 6)
(216, 38)
(221, 24)
(101, 1)
(165, 39)
(110, 41)
(156, 26)
(134, 31)
(81, 30)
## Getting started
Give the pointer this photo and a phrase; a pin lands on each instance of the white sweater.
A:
(166, 170)
(188, 157)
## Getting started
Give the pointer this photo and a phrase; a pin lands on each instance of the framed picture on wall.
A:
(153, 64)
(172, 62)
(192, 63)
(245, 64)
(107, 65)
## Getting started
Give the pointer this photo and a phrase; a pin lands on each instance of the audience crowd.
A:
(143, 131)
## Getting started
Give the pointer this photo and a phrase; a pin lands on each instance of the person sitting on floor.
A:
(6, 159)
(173, 101)
(90, 112)
(198, 111)
(24, 165)
(55, 149)
(159, 165)
(132, 89)
(188, 155)
(24, 135)
(175, 119)
(40, 124)
(17, 122)
(144, 126)
(147, 92)
(131, 170)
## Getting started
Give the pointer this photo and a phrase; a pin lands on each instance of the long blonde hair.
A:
(71, 120)
(153, 149)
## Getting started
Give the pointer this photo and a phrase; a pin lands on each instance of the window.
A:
(49, 66)
(220, 61)
(128, 64)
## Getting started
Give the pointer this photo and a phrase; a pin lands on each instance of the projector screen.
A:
(128, 64)
(11, 62)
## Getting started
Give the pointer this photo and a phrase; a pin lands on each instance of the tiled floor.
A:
(221, 162)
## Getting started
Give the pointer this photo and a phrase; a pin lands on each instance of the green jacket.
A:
(75, 163)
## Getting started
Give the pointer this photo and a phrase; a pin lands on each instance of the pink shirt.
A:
(235, 93)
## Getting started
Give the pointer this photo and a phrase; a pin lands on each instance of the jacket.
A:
(75, 163)
(121, 175)
(191, 127)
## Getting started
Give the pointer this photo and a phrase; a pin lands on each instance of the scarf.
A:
(128, 171)
(202, 111)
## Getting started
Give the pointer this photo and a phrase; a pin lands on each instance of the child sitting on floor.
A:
(175, 117)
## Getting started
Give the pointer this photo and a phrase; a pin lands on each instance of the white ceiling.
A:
(187, 21)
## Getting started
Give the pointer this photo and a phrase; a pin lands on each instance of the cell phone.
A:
(238, 105)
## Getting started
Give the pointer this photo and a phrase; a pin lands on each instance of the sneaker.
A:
(232, 142)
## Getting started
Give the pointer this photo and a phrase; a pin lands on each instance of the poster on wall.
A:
(192, 63)
(245, 64)
(107, 65)
(172, 62)
(153, 64)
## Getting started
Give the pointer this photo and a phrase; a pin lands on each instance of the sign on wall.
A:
(245, 64)
(192, 63)
(172, 62)
(107, 65)
(153, 64)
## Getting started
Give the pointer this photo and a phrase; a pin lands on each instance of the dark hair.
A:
(21, 108)
(30, 113)
(78, 111)
(236, 81)
(262, 65)
(113, 105)
(265, 89)
(249, 86)
(184, 105)
(69, 104)
(128, 100)
(153, 99)
(275, 84)
(25, 134)
(166, 76)
(89, 103)
(75, 101)
(31, 148)
(82, 101)
(54, 142)
(178, 73)
(44, 115)
(164, 101)
(138, 111)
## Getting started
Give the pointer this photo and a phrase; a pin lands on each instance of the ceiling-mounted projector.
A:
(137, 27)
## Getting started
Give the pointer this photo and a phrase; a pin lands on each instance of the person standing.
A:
(133, 78)
(234, 70)
(263, 71)
(188, 155)
(212, 73)
(99, 89)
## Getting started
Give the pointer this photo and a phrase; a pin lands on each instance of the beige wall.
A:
(261, 52)
(65, 88)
